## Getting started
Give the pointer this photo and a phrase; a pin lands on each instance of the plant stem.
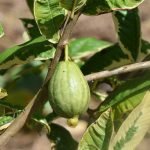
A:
(121, 70)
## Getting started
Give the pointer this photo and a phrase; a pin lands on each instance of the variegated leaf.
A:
(98, 134)
(31, 28)
(127, 23)
(36, 49)
(145, 50)
(134, 127)
(108, 58)
(49, 17)
(127, 91)
(95, 7)
(114, 57)
(128, 104)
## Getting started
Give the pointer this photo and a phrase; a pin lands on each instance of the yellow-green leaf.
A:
(1, 31)
(127, 92)
(5, 122)
(134, 127)
(49, 17)
(35, 49)
(83, 47)
(98, 134)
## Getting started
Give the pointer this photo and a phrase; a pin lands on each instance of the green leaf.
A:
(5, 119)
(72, 4)
(62, 138)
(1, 31)
(108, 58)
(49, 17)
(128, 27)
(82, 47)
(122, 110)
(112, 57)
(95, 7)
(128, 104)
(31, 28)
(145, 50)
(127, 91)
(5, 122)
(134, 127)
(36, 49)
(98, 134)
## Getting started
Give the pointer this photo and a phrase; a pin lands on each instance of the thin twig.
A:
(20, 121)
(121, 70)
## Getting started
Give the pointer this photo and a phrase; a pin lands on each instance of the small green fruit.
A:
(69, 91)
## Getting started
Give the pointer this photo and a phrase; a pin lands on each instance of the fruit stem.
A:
(66, 52)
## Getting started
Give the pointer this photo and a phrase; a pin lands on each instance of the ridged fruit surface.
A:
(69, 91)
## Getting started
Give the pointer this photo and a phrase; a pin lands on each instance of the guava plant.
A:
(51, 76)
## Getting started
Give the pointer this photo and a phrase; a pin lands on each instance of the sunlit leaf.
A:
(127, 91)
(5, 122)
(36, 49)
(134, 127)
(122, 110)
(1, 31)
(49, 17)
(82, 47)
(128, 104)
(98, 134)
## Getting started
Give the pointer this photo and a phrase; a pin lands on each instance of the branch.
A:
(121, 70)
(42, 94)
(63, 41)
